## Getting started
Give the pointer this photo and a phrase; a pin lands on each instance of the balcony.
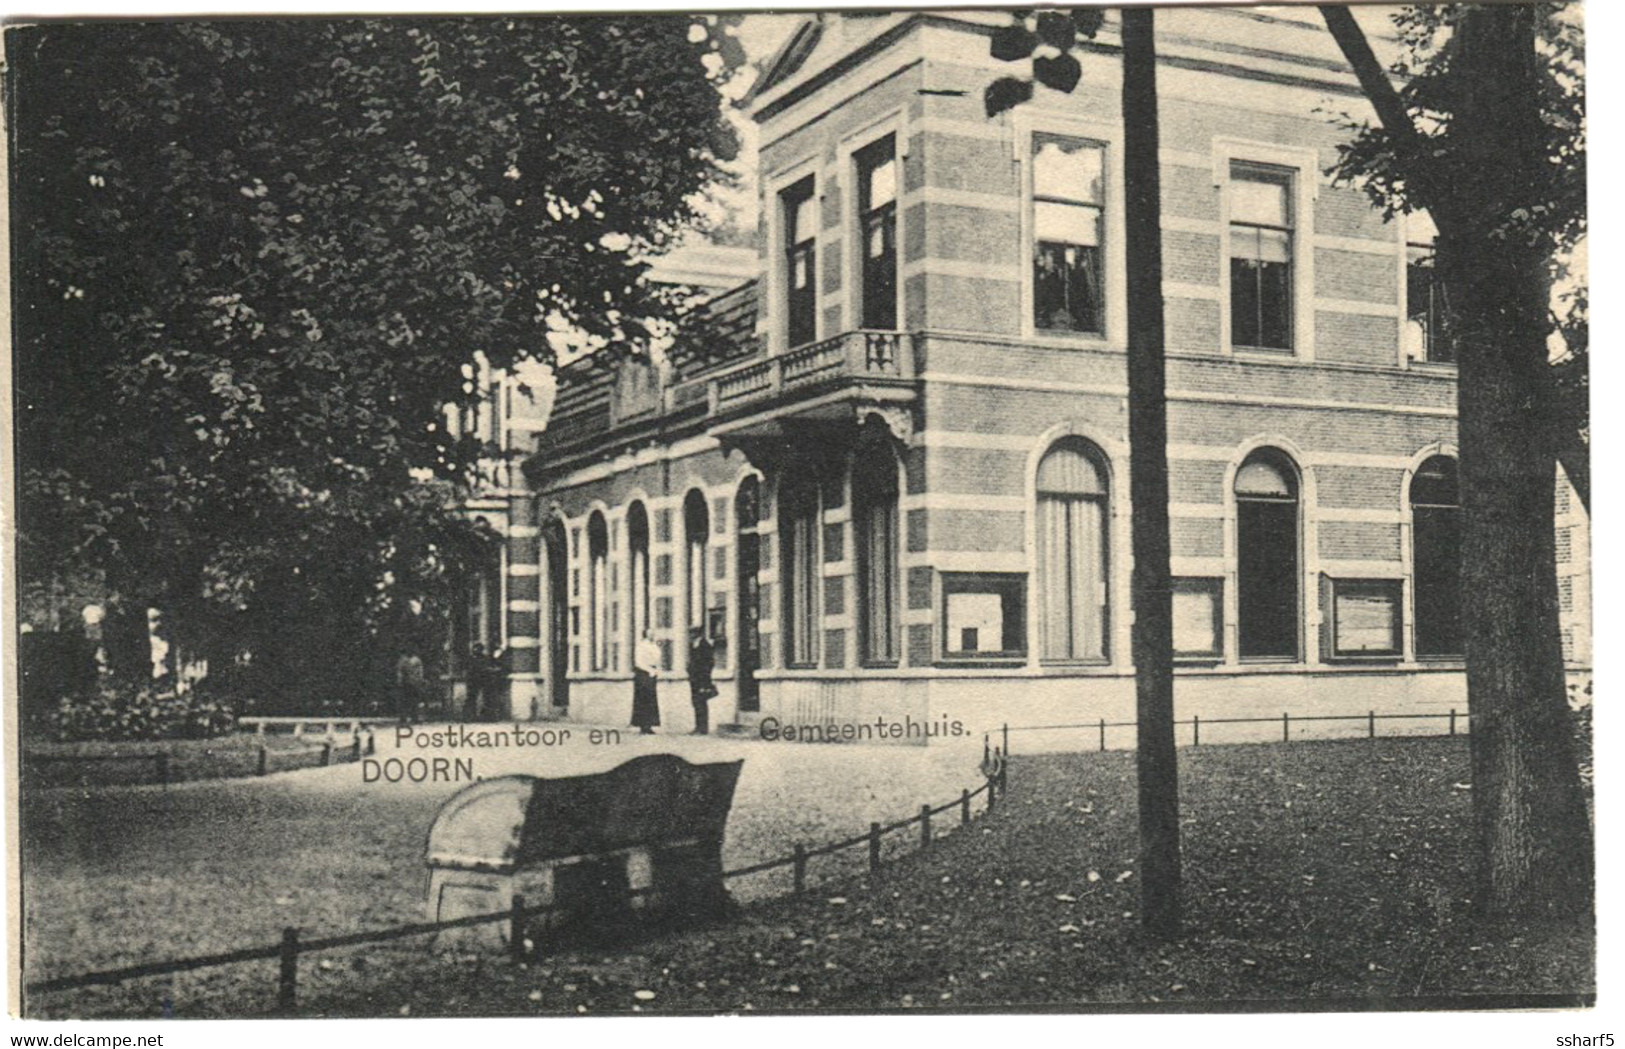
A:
(820, 382)
(820, 391)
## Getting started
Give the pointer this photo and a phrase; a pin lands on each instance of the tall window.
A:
(1436, 557)
(877, 224)
(598, 592)
(1267, 582)
(798, 544)
(801, 262)
(1072, 552)
(1260, 257)
(637, 570)
(1424, 325)
(1068, 196)
(874, 507)
(696, 526)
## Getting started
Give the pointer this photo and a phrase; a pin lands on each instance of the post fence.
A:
(925, 825)
(516, 929)
(874, 846)
(800, 856)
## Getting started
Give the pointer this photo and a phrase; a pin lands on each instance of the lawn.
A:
(1317, 875)
(120, 876)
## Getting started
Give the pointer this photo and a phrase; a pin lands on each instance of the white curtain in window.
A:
(880, 578)
(803, 576)
(1072, 591)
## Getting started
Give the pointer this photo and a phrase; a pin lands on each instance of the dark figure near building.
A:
(484, 678)
(410, 686)
(702, 660)
(645, 705)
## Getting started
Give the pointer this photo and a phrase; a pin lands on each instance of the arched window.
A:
(874, 508)
(798, 561)
(637, 571)
(598, 591)
(748, 554)
(696, 527)
(1071, 523)
(1436, 557)
(1267, 582)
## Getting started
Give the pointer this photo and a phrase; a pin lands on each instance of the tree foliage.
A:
(254, 259)
(1419, 165)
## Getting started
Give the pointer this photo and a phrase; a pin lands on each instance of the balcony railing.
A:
(853, 355)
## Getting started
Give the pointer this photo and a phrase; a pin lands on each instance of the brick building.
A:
(892, 481)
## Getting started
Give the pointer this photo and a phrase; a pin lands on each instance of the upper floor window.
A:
(1068, 202)
(1261, 279)
(1424, 323)
(877, 225)
(801, 262)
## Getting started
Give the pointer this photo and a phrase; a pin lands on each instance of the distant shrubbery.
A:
(113, 712)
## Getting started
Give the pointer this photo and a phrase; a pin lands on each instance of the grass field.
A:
(1316, 874)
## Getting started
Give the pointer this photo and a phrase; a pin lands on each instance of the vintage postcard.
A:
(1064, 510)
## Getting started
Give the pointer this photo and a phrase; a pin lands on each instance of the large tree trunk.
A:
(1148, 484)
(1533, 828)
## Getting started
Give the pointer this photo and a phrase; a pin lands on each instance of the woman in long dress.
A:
(645, 665)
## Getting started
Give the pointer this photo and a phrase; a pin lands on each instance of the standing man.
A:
(702, 660)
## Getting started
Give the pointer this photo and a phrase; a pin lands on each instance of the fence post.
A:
(1371, 724)
(1452, 721)
(964, 807)
(925, 825)
(1004, 772)
(874, 846)
(1196, 730)
(264, 762)
(1286, 728)
(800, 868)
(1103, 734)
(516, 929)
(1007, 739)
(163, 768)
(327, 754)
(288, 977)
